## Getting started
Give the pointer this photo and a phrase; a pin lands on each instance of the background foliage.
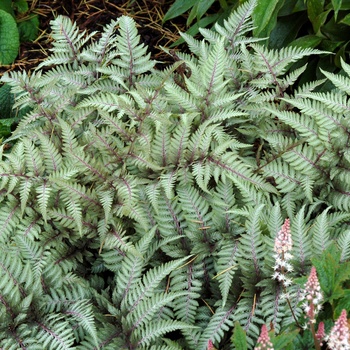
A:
(16, 25)
(309, 24)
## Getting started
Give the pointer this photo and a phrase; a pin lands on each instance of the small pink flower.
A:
(283, 241)
(210, 345)
(283, 246)
(320, 331)
(339, 337)
(264, 342)
(320, 335)
(312, 296)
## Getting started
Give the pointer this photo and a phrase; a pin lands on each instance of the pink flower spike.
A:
(339, 337)
(282, 248)
(264, 342)
(312, 296)
(283, 241)
(320, 335)
(210, 345)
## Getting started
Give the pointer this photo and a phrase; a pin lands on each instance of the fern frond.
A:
(146, 309)
(133, 59)
(344, 244)
(226, 268)
(341, 82)
(68, 42)
(101, 52)
(249, 314)
(188, 280)
(238, 24)
(221, 321)
(82, 313)
(320, 232)
(9, 219)
(54, 333)
(153, 330)
(44, 192)
(301, 245)
(149, 282)
(251, 248)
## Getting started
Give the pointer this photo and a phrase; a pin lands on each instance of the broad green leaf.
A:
(6, 102)
(320, 21)
(331, 273)
(265, 16)
(193, 14)
(345, 5)
(21, 6)
(9, 38)
(5, 126)
(346, 20)
(6, 5)
(287, 9)
(239, 338)
(204, 22)
(340, 55)
(283, 341)
(314, 9)
(178, 8)
(203, 7)
(307, 41)
(28, 30)
(330, 45)
(343, 303)
(286, 30)
(198, 10)
(336, 7)
(299, 6)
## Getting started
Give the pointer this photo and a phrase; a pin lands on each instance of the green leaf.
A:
(336, 7)
(178, 8)
(239, 337)
(343, 303)
(331, 273)
(286, 30)
(307, 41)
(21, 6)
(204, 22)
(6, 102)
(203, 7)
(6, 5)
(5, 126)
(346, 20)
(9, 38)
(330, 45)
(283, 341)
(320, 21)
(299, 6)
(28, 30)
(265, 16)
(198, 10)
(314, 9)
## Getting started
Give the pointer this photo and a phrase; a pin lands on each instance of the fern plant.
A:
(139, 206)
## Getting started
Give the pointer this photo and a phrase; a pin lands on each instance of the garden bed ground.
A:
(92, 15)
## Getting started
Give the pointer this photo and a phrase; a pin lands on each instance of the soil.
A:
(92, 15)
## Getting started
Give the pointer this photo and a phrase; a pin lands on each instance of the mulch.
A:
(92, 15)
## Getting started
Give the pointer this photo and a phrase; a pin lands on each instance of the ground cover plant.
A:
(185, 208)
